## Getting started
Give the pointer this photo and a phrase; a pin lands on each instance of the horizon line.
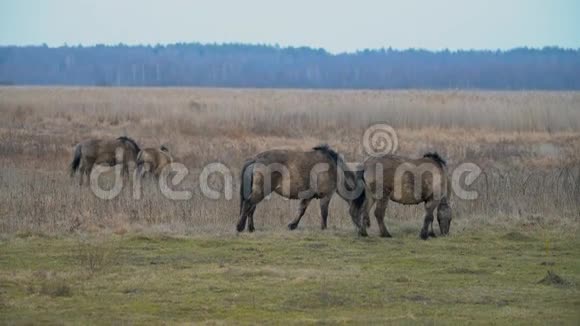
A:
(285, 47)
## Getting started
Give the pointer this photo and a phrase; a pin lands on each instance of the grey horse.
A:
(153, 160)
(302, 175)
(409, 182)
(122, 150)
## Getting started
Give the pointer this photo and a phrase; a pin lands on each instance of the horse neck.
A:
(168, 155)
(346, 177)
(129, 150)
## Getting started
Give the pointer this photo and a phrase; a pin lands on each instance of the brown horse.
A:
(153, 160)
(122, 150)
(409, 182)
(318, 173)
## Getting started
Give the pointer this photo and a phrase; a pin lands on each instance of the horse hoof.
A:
(424, 235)
(251, 229)
(363, 233)
(240, 228)
(432, 234)
(292, 226)
(386, 235)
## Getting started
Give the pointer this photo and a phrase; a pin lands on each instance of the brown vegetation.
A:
(527, 143)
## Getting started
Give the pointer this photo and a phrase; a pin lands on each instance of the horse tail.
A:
(245, 181)
(74, 165)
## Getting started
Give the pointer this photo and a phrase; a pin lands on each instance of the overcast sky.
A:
(336, 25)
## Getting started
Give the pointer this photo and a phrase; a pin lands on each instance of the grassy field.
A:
(68, 256)
(308, 276)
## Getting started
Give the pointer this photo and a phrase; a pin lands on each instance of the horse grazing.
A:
(122, 150)
(409, 182)
(153, 160)
(297, 175)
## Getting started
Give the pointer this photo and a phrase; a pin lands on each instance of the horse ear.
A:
(164, 148)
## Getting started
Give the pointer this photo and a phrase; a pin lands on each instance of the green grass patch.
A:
(303, 276)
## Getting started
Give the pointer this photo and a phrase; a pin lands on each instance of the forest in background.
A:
(243, 65)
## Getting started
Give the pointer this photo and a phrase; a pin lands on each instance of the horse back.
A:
(291, 172)
(404, 180)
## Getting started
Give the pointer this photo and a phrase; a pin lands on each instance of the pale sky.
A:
(331, 24)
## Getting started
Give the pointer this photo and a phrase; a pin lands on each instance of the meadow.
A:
(68, 256)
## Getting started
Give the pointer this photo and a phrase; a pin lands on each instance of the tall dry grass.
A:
(527, 143)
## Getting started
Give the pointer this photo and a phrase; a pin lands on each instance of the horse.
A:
(122, 150)
(154, 160)
(409, 182)
(301, 175)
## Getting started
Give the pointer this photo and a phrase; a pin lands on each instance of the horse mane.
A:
(436, 157)
(338, 160)
(125, 139)
(331, 153)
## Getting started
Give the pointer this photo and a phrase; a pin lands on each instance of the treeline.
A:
(240, 65)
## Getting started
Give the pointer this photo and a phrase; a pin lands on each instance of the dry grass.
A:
(528, 144)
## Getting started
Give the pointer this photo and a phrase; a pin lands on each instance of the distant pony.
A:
(409, 182)
(153, 160)
(111, 152)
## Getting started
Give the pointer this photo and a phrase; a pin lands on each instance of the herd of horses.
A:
(318, 173)
(123, 151)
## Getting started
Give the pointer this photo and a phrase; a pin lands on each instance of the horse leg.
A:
(88, 171)
(246, 206)
(430, 206)
(86, 168)
(301, 210)
(431, 231)
(82, 167)
(380, 216)
(324, 203)
(251, 218)
(247, 211)
(361, 222)
(125, 171)
(81, 174)
(362, 230)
